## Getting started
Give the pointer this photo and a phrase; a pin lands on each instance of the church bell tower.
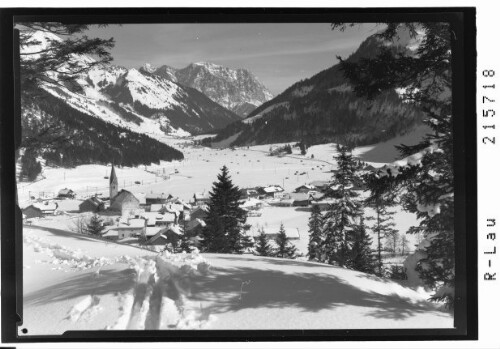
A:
(113, 183)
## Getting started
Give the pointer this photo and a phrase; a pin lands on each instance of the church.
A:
(123, 200)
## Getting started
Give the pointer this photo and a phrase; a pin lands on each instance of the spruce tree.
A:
(95, 226)
(30, 167)
(285, 249)
(225, 222)
(362, 258)
(314, 247)
(262, 245)
(424, 74)
(383, 225)
(344, 213)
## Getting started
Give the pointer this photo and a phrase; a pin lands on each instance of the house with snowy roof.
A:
(166, 219)
(320, 185)
(201, 198)
(157, 198)
(92, 204)
(45, 208)
(167, 235)
(306, 188)
(252, 204)
(32, 212)
(300, 199)
(131, 228)
(200, 212)
(66, 193)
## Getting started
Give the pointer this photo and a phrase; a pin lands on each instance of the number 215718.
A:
(488, 112)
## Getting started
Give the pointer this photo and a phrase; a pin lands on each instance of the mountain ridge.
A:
(238, 90)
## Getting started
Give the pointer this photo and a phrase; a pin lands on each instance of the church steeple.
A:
(113, 183)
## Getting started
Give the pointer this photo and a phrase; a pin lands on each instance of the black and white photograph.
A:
(191, 175)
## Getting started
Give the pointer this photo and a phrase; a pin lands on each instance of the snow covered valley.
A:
(76, 282)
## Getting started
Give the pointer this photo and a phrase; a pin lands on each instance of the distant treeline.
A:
(92, 140)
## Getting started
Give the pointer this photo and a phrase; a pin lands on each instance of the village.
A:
(158, 220)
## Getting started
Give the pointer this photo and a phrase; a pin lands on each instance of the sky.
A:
(279, 54)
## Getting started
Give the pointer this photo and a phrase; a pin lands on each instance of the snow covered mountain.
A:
(324, 109)
(120, 103)
(236, 89)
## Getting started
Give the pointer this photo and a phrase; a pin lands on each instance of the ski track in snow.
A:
(159, 298)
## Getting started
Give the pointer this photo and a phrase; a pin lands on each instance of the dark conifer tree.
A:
(95, 226)
(362, 258)
(225, 222)
(262, 245)
(30, 167)
(285, 249)
(383, 225)
(344, 214)
(314, 248)
(425, 76)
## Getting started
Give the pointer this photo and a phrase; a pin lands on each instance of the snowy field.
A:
(73, 282)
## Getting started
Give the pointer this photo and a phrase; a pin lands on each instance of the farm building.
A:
(164, 236)
(133, 228)
(320, 185)
(166, 219)
(271, 191)
(201, 198)
(157, 198)
(31, 212)
(305, 189)
(158, 219)
(44, 207)
(66, 193)
(92, 204)
(198, 212)
(252, 204)
(125, 202)
(300, 199)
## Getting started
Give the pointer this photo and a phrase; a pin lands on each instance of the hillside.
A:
(95, 141)
(324, 109)
(76, 282)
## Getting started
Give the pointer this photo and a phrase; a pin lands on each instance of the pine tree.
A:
(30, 168)
(362, 258)
(95, 226)
(262, 245)
(285, 249)
(225, 222)
(425, 76)
(384, 224)
(315, 234)
(344, 213)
